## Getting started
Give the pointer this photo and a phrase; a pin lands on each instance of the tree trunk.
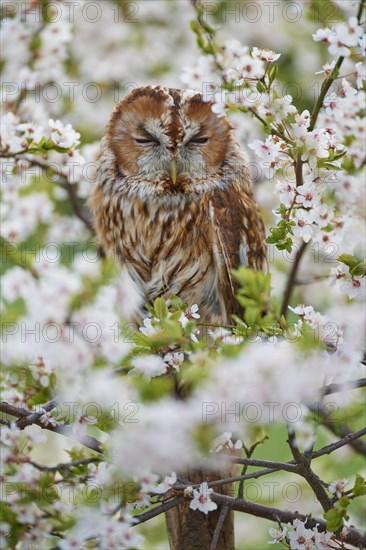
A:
(193, 530)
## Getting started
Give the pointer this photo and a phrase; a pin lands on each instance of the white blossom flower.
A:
(327, 68)
(322, 35)
(166, 485)
(201, 499)
(286, 191)
(148, 327)
(336, 487)
(149, 366)
(72, 541)
(272, 153)
(301, 538)
(305, 195)
(190, 313)
(352, 285)
(362, 45)
(223, 441)
(26, 513)
(277, 535)
(174, 359)
(249, 68)
(323, 540)
(347, 90)
(360, 74)
(265, 55)
(147, 482)
(63, 136)
(235, 48)
(304, 224)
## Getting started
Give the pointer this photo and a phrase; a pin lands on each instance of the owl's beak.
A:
(173, 172)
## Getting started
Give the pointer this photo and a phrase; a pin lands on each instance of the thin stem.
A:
(346, 440)
(220, 523)
(323, 92)
(158, 510)
(305, 471)
(336, 388)
(33, 418)
(63, 429)
(71, 189)
(340, 430)
(65, 466)
(292, 278)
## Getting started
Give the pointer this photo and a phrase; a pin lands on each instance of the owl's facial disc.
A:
(168, 139)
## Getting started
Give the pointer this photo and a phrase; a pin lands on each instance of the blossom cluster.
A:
(318, 162)
(342, 37)
(301, 538)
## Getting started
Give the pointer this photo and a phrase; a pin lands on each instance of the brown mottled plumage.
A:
(174, 201)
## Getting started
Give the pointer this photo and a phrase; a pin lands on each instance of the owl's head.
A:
(168, 140)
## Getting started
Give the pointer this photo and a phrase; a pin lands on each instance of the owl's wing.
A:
(239, 238)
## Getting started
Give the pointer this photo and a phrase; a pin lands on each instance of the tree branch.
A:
(63, 429)
(220, 523)
(65, 466)
(71, 188)
(305, 471)
(349, 385)
(354, 537)
(291, 279)
(158, 510)
(278, 466)
(340, 430)
(35, 417)
(348, 439)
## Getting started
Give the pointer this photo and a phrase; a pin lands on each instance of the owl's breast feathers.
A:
(187, 248)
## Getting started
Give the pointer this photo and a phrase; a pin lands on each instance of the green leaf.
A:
(343, 502)
(358, 270)
(285, 245)
(348, 260)
(331, 166)
(273, 73)
(195, 27)
(173, 328)
(334, 519)
(261, 87)
(359, 487)
(177, 303)
(161, 309)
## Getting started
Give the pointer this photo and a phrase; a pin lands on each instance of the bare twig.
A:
(220, 523)
(71, 188)
(336, 388)
(65, 466)
(340, 430)
(291, 279)
(276, 466)
(347, 439)
(262, 463)
(158, 510)
(34, 418)
(63, 429)
(249, 452)
(304, 470)
(354, 537)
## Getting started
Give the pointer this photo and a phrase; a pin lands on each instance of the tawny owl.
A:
(174, 201)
